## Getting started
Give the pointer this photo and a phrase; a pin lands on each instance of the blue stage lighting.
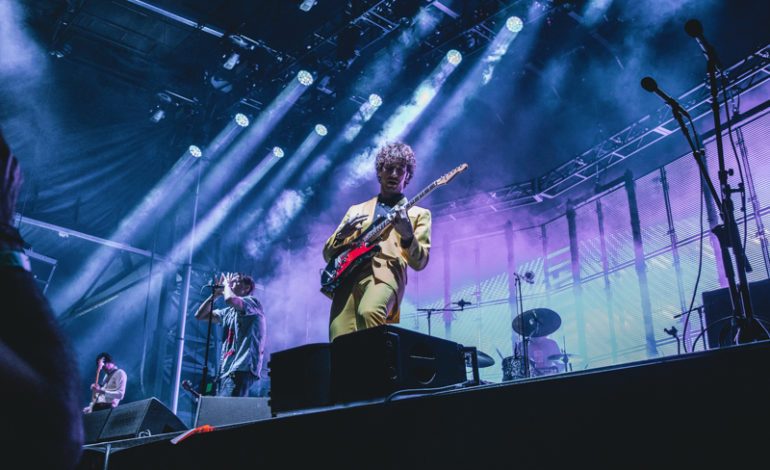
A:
(305, 77)
(277, 152)
(321, 130)
(514, 24)
(195, 151)
(454, 57)
(375, 100)
(242, 120)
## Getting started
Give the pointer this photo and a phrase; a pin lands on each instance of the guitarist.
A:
(371, 295)
(113, 387)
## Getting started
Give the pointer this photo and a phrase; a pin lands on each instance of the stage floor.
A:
(699, 408)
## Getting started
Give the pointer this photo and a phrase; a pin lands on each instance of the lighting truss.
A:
(743, 77)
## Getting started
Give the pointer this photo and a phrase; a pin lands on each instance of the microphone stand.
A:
(431, 311)
(727, 233)
(204, 378)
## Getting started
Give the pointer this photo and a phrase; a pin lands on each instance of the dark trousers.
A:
(235, 384)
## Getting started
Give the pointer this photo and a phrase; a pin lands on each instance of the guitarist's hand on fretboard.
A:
(402, 224)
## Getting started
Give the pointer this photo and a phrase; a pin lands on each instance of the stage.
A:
(693, 409)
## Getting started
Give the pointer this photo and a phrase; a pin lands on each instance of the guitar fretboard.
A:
(377, 230)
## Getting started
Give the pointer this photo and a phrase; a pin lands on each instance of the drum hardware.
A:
(485, 360)
(564, 359)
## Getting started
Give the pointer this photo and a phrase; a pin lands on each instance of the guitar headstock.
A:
(450, 176)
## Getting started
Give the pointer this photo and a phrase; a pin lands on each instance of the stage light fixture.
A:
(195, 151)
(278, 152)
(454, 57)
(306, 5)
(242, 120)
(305, 77)
(232, 61)
(514, 24)
(157, 115)
(375, 100)
(321, 130)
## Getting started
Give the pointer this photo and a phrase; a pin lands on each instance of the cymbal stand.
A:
(565, 356)
(524, 339)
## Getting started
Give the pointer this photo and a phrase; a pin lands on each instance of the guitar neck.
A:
(377, 230)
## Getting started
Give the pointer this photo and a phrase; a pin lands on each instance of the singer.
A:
(244, 328)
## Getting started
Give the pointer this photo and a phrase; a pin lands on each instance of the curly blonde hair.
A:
(397, 152)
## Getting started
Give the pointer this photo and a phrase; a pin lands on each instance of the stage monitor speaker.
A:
(300, 378)
(138, 419)
(376, 362)
(93, 423)
(717, 308)
(223, 411)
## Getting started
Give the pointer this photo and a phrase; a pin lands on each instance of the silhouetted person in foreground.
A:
(42, 421)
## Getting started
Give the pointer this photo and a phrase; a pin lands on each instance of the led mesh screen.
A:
(602, 316)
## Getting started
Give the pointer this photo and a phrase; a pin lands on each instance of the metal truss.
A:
(743, 77)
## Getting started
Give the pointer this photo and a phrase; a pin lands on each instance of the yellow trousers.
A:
(361, 303)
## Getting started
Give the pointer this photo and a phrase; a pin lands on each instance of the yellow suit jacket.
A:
(389, 265)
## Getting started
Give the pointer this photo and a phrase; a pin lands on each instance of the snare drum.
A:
(513, 368)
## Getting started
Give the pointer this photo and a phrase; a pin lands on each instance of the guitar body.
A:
(344, 264)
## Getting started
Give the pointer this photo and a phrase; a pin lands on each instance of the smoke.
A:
(297, 312)
(20, 58)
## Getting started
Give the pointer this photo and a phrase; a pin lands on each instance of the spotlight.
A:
(306, 5)
(454, 57)
(514, 24)
(277, 152)
(195, 151)
(305, 77)
(375, 100)
(321, 130)
(231, 61)
(242, 120)
(158, 112)
(157, 115)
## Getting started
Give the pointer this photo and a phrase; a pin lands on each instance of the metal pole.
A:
(185, 296)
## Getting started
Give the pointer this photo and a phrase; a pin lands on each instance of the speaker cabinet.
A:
(93, 423)
(717, 308)
(140, 418)
(300, 378)
(378, 361)
(223, 411)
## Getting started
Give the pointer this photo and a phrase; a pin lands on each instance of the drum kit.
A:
(534, 323)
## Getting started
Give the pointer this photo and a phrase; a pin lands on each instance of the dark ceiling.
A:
(80, 119)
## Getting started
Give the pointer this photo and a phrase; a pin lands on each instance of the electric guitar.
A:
(365, 246)
(94, 393)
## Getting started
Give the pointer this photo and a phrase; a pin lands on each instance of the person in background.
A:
(113, 387)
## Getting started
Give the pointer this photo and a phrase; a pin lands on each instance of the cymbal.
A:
(484, 359)
(537, 322)
(561, 357)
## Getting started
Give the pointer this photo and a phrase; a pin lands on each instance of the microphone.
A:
(462, 303)
(649, 84)
(694, 29)
(529, 277)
